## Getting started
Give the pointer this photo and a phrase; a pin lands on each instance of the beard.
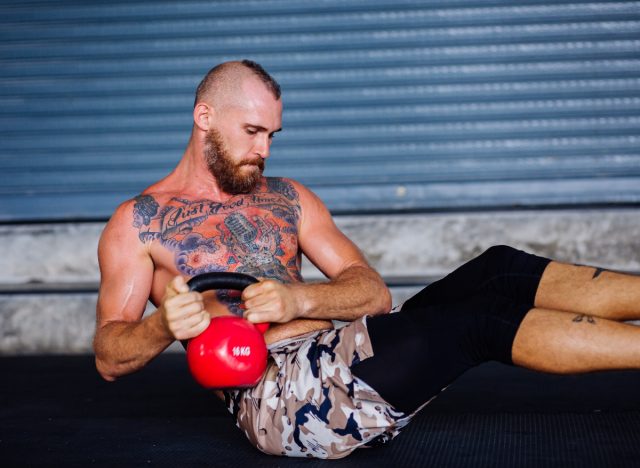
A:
(231, 177)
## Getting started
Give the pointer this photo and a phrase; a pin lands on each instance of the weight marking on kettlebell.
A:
(241, 350)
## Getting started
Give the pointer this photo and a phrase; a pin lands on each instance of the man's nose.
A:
(263, 146)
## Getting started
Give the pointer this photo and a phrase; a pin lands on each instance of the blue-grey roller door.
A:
(389, 105)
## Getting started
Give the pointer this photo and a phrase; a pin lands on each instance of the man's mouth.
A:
(258, 164)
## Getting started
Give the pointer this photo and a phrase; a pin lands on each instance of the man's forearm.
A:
(357, 291)
(125, 347)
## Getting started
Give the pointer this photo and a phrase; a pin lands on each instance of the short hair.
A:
(220, 73)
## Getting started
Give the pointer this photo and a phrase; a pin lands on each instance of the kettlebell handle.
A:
(224, 280)
(231, 352)
(220, 280)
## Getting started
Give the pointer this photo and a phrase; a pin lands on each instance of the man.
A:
(327, 391)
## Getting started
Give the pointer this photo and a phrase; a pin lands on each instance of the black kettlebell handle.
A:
(220, 280)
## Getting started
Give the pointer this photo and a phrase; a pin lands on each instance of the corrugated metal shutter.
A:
(389, 105)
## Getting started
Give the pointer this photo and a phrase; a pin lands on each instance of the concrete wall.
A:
(49, 272)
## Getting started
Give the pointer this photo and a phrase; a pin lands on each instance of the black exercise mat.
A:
(56, 411)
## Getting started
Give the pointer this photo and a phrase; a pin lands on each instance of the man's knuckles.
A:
(183, 299)
(193, 326)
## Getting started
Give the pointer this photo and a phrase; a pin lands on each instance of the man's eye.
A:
(251, 131)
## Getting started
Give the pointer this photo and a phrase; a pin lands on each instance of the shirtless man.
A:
(327, 391)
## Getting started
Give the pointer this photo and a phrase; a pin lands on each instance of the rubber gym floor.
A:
(56, 411)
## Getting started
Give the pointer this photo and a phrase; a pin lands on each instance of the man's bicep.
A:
(126, 272)
(328, 248)
(333, 252)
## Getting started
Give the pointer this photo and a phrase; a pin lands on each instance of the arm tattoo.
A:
(144, 209)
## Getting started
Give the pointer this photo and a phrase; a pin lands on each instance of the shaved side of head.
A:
(222, 85)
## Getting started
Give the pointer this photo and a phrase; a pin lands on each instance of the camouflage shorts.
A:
(308, 404)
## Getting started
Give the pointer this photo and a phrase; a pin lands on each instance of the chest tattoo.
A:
(253, 233)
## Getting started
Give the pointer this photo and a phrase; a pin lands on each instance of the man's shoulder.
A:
(286, 187)
(130, 213)
(147, 202)
(289, 188)
(308, 205)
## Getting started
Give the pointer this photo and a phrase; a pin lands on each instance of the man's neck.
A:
(192, 176)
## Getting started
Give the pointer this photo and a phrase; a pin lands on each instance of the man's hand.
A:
(271, 301)
(182, 312)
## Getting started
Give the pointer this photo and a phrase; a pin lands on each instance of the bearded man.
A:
(327, 391)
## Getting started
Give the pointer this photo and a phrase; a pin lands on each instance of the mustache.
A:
(255, 162)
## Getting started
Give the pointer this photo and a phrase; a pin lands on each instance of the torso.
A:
(255, 233)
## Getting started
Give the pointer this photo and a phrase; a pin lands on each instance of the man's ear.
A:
(203, 116)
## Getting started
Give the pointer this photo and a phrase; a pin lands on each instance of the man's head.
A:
(223, 82)
(238, 107)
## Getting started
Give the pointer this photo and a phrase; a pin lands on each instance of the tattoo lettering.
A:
(584, 317)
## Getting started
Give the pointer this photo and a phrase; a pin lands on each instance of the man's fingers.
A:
(257, 317)
(252, 291)
(202, 326)
(268, 301)
(184, 299)
(182, 312)
(258, 289)
(262, 304)
(264, 315)
(261, 294)
(177, 286)
(259, 301)
(192, 326)
(195, 321)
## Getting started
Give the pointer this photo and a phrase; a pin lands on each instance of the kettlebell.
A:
(231, 352)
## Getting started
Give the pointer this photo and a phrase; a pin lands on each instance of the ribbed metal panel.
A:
(389, 105)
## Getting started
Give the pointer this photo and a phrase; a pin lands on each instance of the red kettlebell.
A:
(231, 352)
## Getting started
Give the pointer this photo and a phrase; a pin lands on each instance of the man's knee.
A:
(496, 260)
(499, 253)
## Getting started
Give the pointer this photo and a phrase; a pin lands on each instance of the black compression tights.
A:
(469, 317)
